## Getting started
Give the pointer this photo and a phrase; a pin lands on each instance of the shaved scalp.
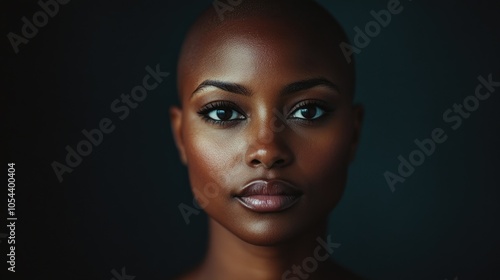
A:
(305, 18)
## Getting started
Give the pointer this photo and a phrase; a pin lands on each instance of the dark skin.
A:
(265, 97)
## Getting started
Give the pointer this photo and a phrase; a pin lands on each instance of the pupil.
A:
(223, 114)
(308, 112)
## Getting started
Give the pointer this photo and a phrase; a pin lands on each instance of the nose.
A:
(268, 147)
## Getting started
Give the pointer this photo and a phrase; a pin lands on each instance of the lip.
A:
(268, 196)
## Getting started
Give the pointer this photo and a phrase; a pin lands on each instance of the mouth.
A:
(268, 196)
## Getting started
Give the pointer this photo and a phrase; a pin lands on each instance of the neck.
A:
(305, 257)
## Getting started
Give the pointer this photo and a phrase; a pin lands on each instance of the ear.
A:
(358, 113)
(176, 123)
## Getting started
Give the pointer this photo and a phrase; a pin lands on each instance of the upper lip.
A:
(269, 187)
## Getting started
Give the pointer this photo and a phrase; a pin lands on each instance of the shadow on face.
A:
(266, 95)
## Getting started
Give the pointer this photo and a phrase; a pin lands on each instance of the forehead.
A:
(262, 49)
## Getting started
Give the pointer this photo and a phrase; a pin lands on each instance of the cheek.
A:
(331, 152)
(324, 161)
(211, 161)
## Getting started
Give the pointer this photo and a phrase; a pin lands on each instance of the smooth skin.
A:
(266, 94)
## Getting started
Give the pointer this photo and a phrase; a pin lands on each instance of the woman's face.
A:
(268, 106)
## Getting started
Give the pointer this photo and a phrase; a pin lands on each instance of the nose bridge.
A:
(266, 126)
(267, 144)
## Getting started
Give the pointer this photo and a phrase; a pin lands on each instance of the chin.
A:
(265, 233)
(274, 229)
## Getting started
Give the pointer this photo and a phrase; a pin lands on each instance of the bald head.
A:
(300, 29)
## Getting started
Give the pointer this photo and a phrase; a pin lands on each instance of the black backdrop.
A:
(118, 208)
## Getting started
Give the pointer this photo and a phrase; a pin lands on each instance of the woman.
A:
(267, 130)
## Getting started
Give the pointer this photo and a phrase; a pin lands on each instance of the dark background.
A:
(119, 207)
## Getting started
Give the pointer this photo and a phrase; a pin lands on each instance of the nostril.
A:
(279, 162)
(255, 162)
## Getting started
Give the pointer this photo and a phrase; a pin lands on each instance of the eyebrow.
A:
(307, 84)
(290, 88)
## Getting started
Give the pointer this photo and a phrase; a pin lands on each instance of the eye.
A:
(224, 114)
(221, 113)
(308, 112)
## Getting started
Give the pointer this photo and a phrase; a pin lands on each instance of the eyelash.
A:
(318, 103)
(218, 105)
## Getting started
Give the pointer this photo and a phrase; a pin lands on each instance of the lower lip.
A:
(268, 203)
